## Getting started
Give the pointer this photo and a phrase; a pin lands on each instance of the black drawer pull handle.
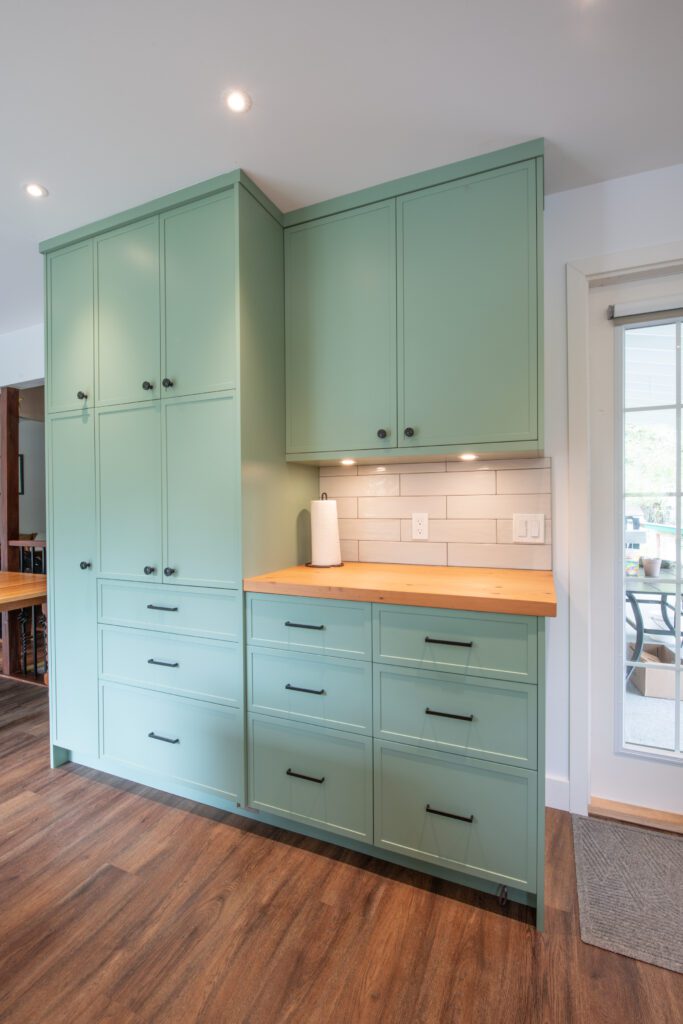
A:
(149, 570)
(447, 814)
(161, 608)
(302, 625)
(308, 778)
(81, 395)
(449, 643)
(167, 382)
(163, 739)
(147, 385)
(166, 664)
(302, 689)
(445, 714)
(86, 565)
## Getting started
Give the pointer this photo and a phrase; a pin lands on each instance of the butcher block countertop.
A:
(512, 591)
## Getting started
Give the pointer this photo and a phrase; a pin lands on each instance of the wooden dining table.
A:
(21, 590)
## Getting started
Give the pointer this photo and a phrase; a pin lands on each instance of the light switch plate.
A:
(528, 528)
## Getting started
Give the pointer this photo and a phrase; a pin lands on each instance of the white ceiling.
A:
(113, 102)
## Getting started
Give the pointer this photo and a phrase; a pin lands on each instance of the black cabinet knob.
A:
(382, 433)
(167, 382)
(147, 385)
(168, 571)
(81, 396)
(86, 565)
(409, 432)
(149, 570)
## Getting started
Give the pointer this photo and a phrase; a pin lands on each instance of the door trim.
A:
(580, 275)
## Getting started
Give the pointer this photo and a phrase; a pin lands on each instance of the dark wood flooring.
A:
(119, 905)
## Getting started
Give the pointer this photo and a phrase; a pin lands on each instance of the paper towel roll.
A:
(325, 547)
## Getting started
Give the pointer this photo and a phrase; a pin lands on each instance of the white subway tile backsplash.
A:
(448, 483)
(370, 529)
(470, 508)
(402, 508)
(401, 467)
(523, 481)
(456, 466)
(501, 556)
(349, 550)
(357, 486)
(467, 531)
(347, 508)
(339, 470)
(415, 553)
(496, 506)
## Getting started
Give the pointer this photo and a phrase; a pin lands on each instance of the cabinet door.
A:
(468, 313)
(340, 276)
(73, 594)
(128, 315)
(199, 295)
(202, 493)
(70, 345)
(129, 491)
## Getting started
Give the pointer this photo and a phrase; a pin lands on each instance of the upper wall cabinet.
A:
(459, 367)
(340, 303)
(199, 246)
(128, 314)
(468, 339)
(70, 314)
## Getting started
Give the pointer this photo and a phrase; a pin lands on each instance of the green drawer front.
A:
(197, 744)
(339, 628)
(209, 669)
(499, 844)
(498, 646)
(208, 613)
(335, 692)
(497, 720)
(341, 802)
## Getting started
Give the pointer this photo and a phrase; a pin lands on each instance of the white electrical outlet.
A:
(528, 528)
(420, 525)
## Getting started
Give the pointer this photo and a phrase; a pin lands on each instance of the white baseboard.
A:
(557, 792)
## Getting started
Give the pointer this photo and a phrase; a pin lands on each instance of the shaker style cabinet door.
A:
(468, 331)
(128, 314)
(198, 246)
(340, 315)
(73, 581)
(70, 334)
(202, 492)
(129, 491)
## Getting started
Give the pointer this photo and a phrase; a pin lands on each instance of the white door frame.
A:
(580, 275)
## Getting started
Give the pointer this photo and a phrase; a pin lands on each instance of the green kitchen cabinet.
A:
(70, 307)
(73, 581)
(200, 330)
(467, 325)
(340, 310)
(128, 314)
(202, 536)
(129, 491)
(458, 252)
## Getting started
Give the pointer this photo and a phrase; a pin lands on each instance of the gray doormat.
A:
(630, 883)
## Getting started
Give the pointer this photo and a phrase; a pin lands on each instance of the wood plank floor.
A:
(119, 905)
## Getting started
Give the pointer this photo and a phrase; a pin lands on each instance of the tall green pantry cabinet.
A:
(167, 480)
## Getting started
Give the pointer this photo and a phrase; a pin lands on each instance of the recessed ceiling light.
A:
(348, 462)
(36, 191)
(238, 101)
(381, 469)
(469, 457)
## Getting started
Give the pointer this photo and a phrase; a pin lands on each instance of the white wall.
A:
(622, 214)
(22, 359)
(32, 501)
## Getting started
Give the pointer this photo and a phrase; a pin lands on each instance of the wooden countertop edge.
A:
(545, 608)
